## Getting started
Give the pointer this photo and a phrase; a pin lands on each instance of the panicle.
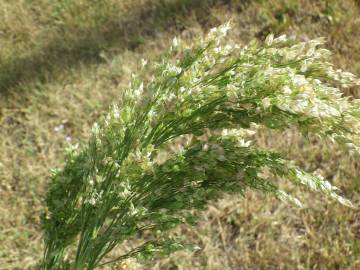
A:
(185, 137)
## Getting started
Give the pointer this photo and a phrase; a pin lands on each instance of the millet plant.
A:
(186, 137)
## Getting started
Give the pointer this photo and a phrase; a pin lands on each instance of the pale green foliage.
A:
(184, 138)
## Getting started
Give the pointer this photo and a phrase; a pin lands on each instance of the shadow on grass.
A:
(61, 52)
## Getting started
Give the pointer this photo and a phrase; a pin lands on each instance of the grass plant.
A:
(181, 140)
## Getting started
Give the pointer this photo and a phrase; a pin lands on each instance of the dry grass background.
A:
(62, 63)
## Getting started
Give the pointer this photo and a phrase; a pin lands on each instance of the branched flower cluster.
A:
(186, 137)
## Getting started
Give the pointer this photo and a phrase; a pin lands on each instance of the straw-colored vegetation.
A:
(62, 63)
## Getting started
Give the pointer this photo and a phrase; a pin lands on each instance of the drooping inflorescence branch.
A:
(181, 140)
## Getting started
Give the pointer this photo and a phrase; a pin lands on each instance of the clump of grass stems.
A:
(186, 137)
